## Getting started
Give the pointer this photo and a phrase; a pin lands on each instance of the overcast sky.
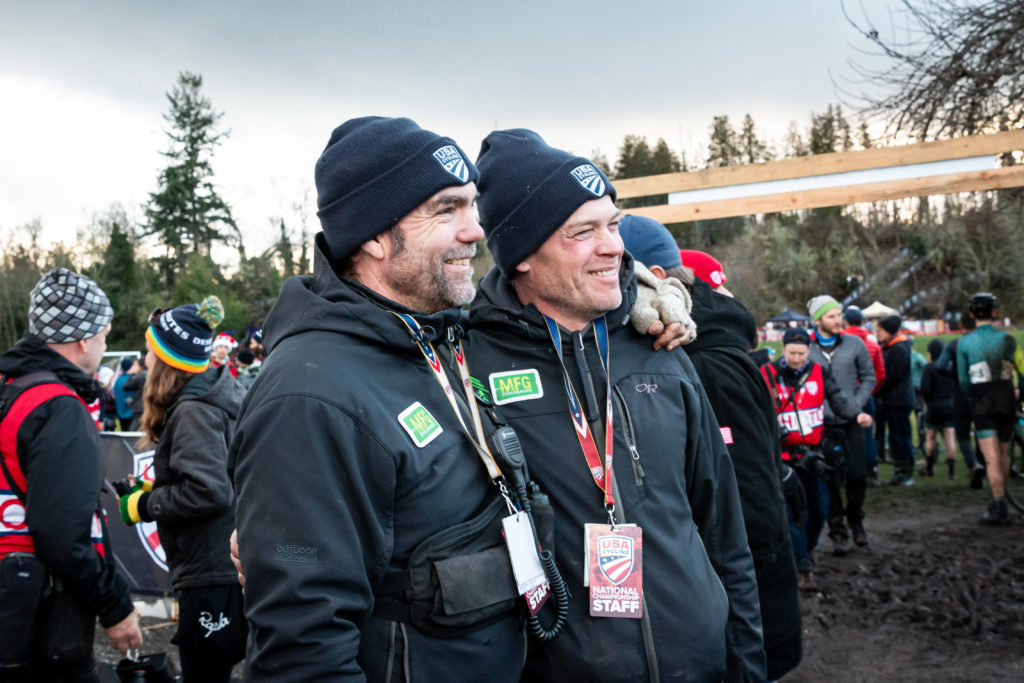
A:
(83, 84)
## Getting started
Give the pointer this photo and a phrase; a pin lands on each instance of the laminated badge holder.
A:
(613, 551)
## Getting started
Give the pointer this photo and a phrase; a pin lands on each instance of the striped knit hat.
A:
(182, 337)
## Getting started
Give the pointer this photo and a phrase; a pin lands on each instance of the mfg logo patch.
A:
(589, 178)
(515, 385)
(615, 557)
(451, 161)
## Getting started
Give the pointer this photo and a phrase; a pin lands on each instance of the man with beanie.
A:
(853, 323)
(896, 397)
(847, 358)
(746, 417)
(653, 548)
(50, 483)
(350, 452)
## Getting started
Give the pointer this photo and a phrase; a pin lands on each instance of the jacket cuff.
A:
(142, 509)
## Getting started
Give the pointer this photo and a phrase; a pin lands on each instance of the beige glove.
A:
(662, 310)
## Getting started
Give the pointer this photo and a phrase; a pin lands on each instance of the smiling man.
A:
(651, 543)
(350, 451)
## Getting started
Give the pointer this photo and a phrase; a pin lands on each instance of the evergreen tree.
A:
(723, 149)
(601, 161)
(795, 145)
(663, 159)
(634, 158)
(752, 150)
(186, 213)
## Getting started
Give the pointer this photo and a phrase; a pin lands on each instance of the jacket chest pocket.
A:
(650, 431)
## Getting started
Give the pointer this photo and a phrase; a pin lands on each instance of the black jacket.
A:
(192, 500)
(938, 389)
(678, 486)
(332, 491)
(58, 449)
(897, 388)
(745, 412)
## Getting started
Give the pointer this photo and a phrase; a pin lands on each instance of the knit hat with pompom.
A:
(182, 337)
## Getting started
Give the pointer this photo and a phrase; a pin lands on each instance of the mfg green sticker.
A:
(420, 424)
(515, 385)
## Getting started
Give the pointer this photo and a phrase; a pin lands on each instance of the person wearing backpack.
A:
(53, 534)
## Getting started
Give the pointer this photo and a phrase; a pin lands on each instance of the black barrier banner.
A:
(137, 550)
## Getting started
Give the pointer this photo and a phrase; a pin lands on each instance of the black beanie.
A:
(376, 170)
(528, 190)
(796, 335)
(891, 324)
(853, 316)
(182, 337)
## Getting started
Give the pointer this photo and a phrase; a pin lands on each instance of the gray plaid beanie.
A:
(65, 307)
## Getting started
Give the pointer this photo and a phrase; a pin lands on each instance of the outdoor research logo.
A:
(419, 424)
(143, 469)
(589, 178)
(615, 557)
(452, 161)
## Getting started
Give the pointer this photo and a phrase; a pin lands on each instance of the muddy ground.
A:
(934, 597)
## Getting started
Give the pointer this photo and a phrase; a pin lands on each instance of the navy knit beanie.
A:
(376, 170)
(528, 190)
(182, 337)
(649, 242)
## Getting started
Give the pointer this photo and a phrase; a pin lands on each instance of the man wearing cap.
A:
(848, 360)
(358, 443)
(746, 417)
(652, 548)
(51, 475)
(896, 397)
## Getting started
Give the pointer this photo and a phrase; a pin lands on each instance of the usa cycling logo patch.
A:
(589, 178)
(451, 161)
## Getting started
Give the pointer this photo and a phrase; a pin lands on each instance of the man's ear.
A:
(658, 272)
(523, 267)
(376, 248)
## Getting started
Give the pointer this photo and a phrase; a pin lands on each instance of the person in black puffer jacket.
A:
(190, 411)
(746, 416)
(938, 388)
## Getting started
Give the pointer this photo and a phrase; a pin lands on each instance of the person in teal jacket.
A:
(985, 363)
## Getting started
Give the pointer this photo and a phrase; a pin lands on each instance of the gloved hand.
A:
(659, 303)
(130, 503)
(793, 492)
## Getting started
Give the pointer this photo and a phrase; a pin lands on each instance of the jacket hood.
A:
(722, 321)
(217, 387)
(30, 355)
(496, 303)
(328, 303)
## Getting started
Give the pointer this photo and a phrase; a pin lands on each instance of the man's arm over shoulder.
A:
(58, 447)
(715, 504)
(314, 514)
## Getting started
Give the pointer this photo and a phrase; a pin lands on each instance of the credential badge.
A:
(450, 159)
(589, 178)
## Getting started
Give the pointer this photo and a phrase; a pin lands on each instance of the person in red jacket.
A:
(800, 386)
(853, 323)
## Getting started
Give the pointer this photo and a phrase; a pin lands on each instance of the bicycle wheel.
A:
(1015, 482)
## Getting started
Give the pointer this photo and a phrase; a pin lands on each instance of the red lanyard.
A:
(442, 378)
(579, 421)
